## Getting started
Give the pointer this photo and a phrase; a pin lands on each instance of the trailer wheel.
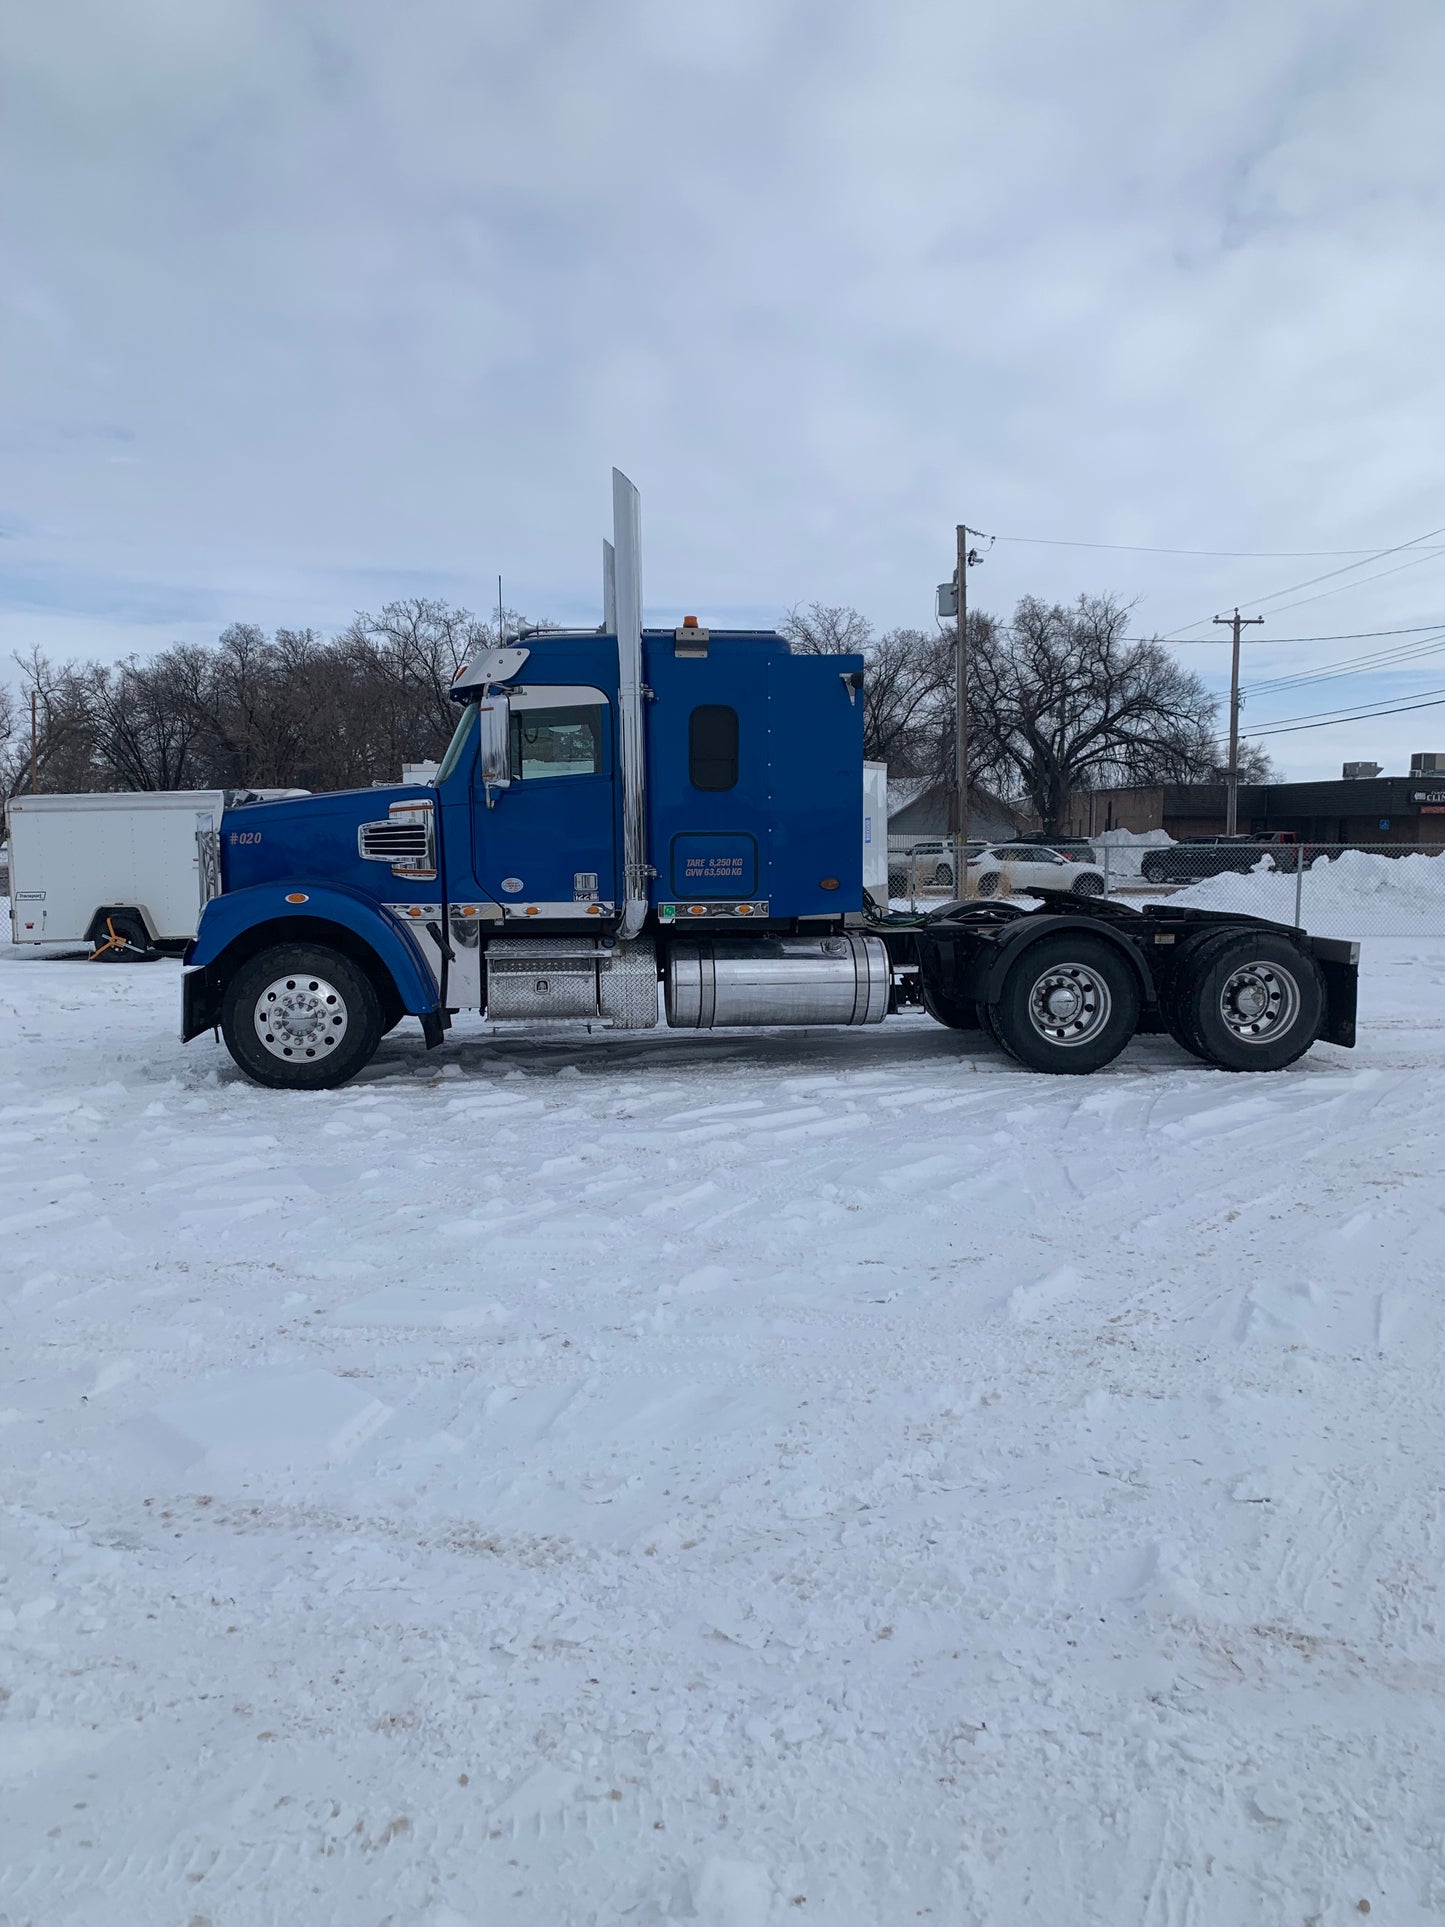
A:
(1069, 1004)
(120, 936)
(301, 1017)
(1249, 1001)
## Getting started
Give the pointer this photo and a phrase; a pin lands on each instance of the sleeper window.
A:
(712, 747)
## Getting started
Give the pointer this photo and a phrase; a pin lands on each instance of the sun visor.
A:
(491, 664)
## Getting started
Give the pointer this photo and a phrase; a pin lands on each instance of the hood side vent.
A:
(406, 839)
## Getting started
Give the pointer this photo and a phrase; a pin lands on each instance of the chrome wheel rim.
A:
(300, 1017)
(1069, 1004)
(1258, 1002)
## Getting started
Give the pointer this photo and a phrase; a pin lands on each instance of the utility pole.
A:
(1231, 810)
(953, 601)
(34, 745)
(960, 724)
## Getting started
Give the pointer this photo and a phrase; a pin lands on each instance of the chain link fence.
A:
(1347, 890)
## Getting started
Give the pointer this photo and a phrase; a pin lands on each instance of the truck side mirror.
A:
(494, 745)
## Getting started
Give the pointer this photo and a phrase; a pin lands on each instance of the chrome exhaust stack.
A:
(622, 594)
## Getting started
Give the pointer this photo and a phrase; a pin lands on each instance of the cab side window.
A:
(712, 747)
(549, 743)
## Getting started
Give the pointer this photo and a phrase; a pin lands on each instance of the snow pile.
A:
(1126, 849)
(1359, 893)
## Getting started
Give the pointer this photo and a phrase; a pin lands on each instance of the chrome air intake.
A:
(777, 980)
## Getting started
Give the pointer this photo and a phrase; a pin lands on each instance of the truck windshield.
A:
(456, 748)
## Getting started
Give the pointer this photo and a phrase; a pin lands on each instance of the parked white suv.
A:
(999, 869)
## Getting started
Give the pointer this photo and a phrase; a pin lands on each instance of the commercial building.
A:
(1381, 809)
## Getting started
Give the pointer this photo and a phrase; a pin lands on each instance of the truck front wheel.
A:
(1069, 1003)
(301, 1017)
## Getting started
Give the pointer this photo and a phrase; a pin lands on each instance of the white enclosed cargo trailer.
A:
(125, 872)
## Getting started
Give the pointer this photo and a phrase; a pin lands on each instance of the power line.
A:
(1365, 716)
(1270, 642)
(1377, 555)
(1236, 555)
(1311, 715)
(1353, 665)
(1352, 635)
(1413, 563)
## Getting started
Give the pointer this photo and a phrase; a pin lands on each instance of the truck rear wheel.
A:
(1248, 1001)
(301, 1017)
(956, 1013)
(1069, 1003)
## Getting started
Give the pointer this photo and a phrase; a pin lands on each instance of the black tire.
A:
(987, 885)
(956, 1014)
(942, 874)
(1214, 1006)
(1107, 1015)
(1173, 989)
(333, 996)
(120, 936)
(1088, 886)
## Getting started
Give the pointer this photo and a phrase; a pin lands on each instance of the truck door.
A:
(548, 846)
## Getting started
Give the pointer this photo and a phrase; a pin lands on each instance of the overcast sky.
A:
(311, 305)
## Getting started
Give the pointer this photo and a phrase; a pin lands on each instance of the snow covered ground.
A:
(732, 1480)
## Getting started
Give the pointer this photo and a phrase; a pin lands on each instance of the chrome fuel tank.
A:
(777, 980)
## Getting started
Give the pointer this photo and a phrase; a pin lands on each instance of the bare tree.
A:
(290, 710)
(823, 629)
(1256, 765)
(65, 756)
(1061, 702)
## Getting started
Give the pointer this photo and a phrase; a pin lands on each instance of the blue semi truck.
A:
(627, 811)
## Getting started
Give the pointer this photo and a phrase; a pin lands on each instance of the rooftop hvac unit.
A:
(1360, 772)
(1427, 763)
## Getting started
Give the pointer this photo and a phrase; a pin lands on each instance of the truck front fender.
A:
(236, 925)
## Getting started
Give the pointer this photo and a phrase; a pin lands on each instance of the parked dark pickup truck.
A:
(1213, 856)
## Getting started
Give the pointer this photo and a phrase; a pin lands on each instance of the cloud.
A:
(364, 295)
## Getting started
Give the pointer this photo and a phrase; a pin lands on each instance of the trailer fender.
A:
(984, 976)
(234, 926)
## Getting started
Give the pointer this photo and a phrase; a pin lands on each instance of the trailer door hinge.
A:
(649, 694)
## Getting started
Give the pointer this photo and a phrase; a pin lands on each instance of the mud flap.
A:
(1339, 964)
(200, 1001)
